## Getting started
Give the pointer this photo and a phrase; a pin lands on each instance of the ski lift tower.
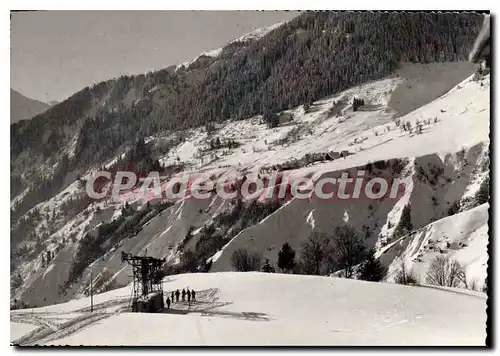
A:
(148, 286)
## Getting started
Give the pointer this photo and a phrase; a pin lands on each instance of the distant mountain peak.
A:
(22, 107)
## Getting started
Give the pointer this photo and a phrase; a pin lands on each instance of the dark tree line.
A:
(139, 160)
(209, 242)
(320, 254)
(214, 236)
(217, 143)
(318, 54)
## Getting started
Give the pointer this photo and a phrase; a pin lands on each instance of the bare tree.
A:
(404, 275)
(313, 253)
(243, 261)
(238, 259)
(254, 262)
(349, 248)
(446, 272)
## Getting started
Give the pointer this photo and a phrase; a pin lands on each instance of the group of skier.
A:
(191, 296)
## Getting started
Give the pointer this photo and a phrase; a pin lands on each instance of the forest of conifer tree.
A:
(312, 56)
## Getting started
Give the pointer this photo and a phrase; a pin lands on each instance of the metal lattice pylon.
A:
(146, 272)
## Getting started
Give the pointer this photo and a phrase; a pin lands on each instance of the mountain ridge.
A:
(140, 121)
(22, 107)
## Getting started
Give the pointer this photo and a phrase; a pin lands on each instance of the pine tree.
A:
(267, 267)
(483, 194)
(356, 103)
(405, 225)
(371, 269)
(286, 257)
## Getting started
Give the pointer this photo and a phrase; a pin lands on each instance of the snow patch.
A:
(50, 268)
(310, 219)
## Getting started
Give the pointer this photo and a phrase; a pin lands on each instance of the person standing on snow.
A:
(177, 295)
(183, 295)
(193, 295)
(172, 296)
(168, 303)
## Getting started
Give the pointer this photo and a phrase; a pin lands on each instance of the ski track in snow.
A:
(281, 310)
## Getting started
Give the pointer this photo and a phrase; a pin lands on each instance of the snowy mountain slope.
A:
(258, 33)
(265, 309)
(185, 98)
(461, 131)
(454, 139)
(370, 133)
(375, 221)
(463, 236)
(19, 329)
(160, 237)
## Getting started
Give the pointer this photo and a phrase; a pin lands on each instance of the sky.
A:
(56, 53)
